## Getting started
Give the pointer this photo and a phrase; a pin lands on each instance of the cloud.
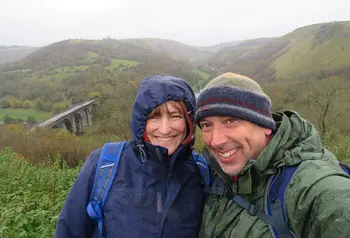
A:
(197, 22)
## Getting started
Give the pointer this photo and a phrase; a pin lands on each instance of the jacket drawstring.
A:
(142, 153)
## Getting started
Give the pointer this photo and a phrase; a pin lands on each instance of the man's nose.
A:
(218, 138)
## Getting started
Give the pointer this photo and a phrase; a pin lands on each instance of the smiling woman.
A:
(166, 126)
(157, 190)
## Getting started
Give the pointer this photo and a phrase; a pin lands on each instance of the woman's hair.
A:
(164, 108)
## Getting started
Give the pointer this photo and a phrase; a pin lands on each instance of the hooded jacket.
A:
(317, 198)
(153, 194)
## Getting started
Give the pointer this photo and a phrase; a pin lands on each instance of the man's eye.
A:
(231, 120)
(205, 125)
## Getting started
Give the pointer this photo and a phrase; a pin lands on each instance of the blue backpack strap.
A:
(105, 172)
(345, 167)
(275, 200)
(203, 168)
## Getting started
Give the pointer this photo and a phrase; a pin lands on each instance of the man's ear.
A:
(267, 131)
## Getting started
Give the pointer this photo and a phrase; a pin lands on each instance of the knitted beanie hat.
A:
(236, 96)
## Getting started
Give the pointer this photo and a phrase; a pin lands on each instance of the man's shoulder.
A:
(316, 176)
(313, 170)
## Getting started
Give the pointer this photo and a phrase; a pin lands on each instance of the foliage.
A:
(31, 197)
(31, 120)
(27, 104)
(15, 103)
(58, 107)
(39, 105)
(340, 147)
(202, 74)
(5, 104)
(8, 119)
(94, 95)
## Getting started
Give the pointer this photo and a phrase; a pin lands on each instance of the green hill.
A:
(75, 70)
(13, 53)
(71, 71)
(312, 51)
(174, 49)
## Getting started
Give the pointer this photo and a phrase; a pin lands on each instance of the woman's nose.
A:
(164, 126)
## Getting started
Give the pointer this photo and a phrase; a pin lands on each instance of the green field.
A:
(202, 74)
(92, 55)
(23, 114)
(121, 64)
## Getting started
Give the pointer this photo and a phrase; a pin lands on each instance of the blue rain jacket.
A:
(152, 195)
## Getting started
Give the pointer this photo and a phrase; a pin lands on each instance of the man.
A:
(250, 145)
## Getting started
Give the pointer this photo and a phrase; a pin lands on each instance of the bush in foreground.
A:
(31, 198)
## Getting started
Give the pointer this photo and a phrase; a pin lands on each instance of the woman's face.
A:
(166, 126)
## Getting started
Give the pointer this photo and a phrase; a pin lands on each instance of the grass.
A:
(65, 71)
(58, 73)
(92, 55)
(23, 113)
(121, 64)
(202, 74)
(304, 56)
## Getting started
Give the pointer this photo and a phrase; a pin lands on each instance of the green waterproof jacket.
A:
(317, 197)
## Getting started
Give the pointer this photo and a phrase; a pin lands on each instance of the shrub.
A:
(31, 198)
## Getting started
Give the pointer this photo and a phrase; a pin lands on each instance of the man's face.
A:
(233, 141)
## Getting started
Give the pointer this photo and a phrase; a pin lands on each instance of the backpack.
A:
(105, 172)
(274, 214)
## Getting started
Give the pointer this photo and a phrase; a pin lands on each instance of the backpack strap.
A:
(345, 167)
(275, 200)
(105, 172)
(254, 210)
(203, 168)
(275, 221)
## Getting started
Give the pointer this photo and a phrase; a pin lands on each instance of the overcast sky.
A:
(195, 22)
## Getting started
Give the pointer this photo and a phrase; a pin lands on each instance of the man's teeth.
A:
(165, 139)
(228, 153)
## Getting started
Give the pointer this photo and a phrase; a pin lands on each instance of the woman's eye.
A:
(154, 118)
(176, 116)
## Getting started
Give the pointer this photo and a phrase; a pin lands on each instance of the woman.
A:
(157, 190)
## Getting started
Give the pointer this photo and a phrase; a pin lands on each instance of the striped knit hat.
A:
(236, 96)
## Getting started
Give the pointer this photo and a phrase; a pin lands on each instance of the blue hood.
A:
(154, 91)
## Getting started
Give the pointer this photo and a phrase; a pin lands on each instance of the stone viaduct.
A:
(73, 119)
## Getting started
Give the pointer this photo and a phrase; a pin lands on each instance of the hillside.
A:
(13, 53)
(72, 71)
(174, 49)
(311, 51)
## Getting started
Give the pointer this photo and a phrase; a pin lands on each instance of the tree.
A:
(325, 102)
(27, 104)
(15, 103)
(93, 95)
(39, 105)
(58, 107)
(4, 104)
